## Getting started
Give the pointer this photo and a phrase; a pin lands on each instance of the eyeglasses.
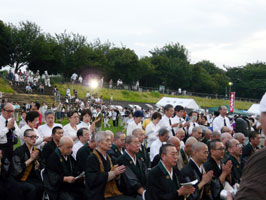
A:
(9, 111)
(220, 149)
(33, 137)
(239, 145)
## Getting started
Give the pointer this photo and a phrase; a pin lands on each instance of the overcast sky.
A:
(226, 32)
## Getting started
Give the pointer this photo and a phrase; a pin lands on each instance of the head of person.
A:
(174, 141)
(180, 133)
(199, 152)
(197, 133)
(111, 134)
(225, 137)
(179, 111)
(163, 134)
(169, 110)
(234, 147)
(193, 115)
(23, 114)
(65, 145)
(189, 142)
(30, 137)
(132, 144)
(49, 117)
(119, 140)
(226, 129)
(98, 108)
(7, 111)
(254, 138)
(240, 137)
(83, 135)
(138, 132)
(32, 118)
(207, 134)
(168, 154)
(203, 120)
(217, 150)
(138, 116)
(215, 135)
(86, 115)
(222, 110)
(57, 133)
(92, 143)
(103, 141)
(73, 117)
(35, 105)
(156, 117)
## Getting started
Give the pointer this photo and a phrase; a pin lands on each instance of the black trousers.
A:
(121, 197)
(32, 189)
(7, 151)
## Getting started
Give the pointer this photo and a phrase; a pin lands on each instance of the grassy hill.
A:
(145, 97)
(5, 87)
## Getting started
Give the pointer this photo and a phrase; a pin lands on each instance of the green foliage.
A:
(5, 87)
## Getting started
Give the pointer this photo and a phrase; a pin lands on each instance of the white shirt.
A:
(165, 123)
(45, 130)
(132, 126)
(23, 129)
(218, 123)
(152, 132)
(155, 147)
(191, 126)
(75, 149)
(199, 167)
(4, 130)
(83, 125)
(178, 120)
(69, 131)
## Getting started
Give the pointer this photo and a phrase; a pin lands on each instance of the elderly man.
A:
(186, 153)
(240, 137)
(8, 131)
(61, 173)
(83, 135)
(220, 171)
(180, 133)
(252, 146)
(25, 167)
(235, 152)
(221, 121)
(197, 133)
(133, 181)
(194, 171)
(164, 179)
(143, 154)
(117, 147)
(50, 147)
(101, 173)
(162, 138)
(253, 180)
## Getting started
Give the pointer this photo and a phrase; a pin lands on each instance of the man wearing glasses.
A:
(8, 131)
(235, 152)
(221, 171)
(25, 167)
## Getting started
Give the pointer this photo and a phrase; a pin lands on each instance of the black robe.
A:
(56, 169)
(160, 186)
(253, 180)
(135, 176)
(237, 168)
(114, 153)
(216, 185)
(82, 157)
(48, 149)
(143, 155)
(247, 151)
(190, 172)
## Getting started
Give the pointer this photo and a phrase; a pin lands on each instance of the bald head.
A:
(225, 137)
(197, 146)
(65, 145)
(174, 141)
(190, 141)
(180, 133)
(65, 140)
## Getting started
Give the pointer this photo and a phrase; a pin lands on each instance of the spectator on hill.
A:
(28, 88)
(110, 84)
(80, 79)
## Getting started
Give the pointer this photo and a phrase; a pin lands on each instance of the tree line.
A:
(26, 44)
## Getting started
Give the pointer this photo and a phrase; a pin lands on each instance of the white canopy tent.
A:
(186, 103)
(254, 109)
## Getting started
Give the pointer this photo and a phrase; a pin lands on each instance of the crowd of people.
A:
(163, 153)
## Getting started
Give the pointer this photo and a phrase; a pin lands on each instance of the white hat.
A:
(263, 103)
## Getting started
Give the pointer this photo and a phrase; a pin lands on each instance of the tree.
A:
(4, 45)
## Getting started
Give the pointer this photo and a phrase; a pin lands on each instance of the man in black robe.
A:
(133, 181)
(101, 174)
(49, 148)
(194, 170)
(143, 154)
(25, 167)
(235, 151)
(164, 179)
(61, 172)
(220, 171)
(117, 147)
(252, 146)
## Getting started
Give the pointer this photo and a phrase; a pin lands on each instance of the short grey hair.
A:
(118, 134)
(100, 136)
(163, 131)
(48, 112)
(238, 135)
(136, 131)
(130, 138)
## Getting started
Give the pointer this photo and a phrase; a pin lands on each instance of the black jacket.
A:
(82, 157)
(114, 153)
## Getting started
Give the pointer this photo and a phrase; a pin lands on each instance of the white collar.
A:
(133, 159)
(170, 173)
(199, 167)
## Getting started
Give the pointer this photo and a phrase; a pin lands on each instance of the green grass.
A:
(146, 97)
(5, 87)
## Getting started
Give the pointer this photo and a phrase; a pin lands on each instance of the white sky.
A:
(226, 32)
